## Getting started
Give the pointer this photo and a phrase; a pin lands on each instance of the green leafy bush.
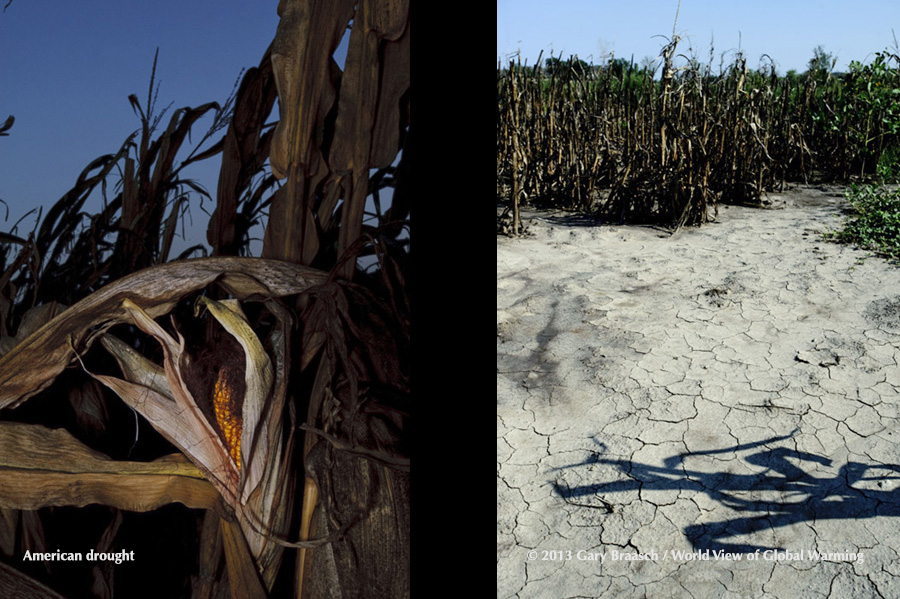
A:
(875, 223)
(867, 110)
(889, 165)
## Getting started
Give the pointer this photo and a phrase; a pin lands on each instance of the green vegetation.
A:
(875, 223)
(666, 144)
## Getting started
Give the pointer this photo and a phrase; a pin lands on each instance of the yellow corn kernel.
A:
(228, 417)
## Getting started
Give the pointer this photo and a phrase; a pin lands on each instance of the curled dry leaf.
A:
(33, 364)
(301, 52)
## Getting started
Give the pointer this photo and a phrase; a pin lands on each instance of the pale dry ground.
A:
(733, 388)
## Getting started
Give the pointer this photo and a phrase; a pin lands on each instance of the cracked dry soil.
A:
(733, 390)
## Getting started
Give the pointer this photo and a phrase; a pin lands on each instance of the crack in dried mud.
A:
(733, 389)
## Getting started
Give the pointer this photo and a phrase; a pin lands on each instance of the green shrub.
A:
(875, 223)
(867, 111)
(889, 165)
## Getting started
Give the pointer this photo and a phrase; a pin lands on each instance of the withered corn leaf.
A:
(33, 364)
(41, 467)
(16, 584)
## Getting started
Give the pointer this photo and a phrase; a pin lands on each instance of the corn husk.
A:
(257, 488)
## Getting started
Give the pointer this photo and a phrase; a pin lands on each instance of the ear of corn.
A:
(236, 452)
(231, 443)
(258, 380)
(228, 415)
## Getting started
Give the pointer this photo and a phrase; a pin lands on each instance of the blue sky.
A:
(786, 30)
(67, 68)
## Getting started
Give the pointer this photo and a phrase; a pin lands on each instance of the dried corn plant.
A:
(244, 187)
(635, 146)
(335, 126)
(214, 382)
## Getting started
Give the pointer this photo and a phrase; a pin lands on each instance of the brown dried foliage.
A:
(341, 385)
(617, 142)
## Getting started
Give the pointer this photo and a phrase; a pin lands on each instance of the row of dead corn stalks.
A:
(634, 148)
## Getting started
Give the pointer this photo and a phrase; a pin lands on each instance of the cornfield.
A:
(617, 141)
(222, 425)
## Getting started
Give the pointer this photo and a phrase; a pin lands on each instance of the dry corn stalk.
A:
(323, 162)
